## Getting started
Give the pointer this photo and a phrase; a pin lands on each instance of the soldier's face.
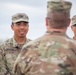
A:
(74, 29)
(20, 29)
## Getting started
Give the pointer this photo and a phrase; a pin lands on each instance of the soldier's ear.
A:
(46, 21)
(12, 26)
(69, 22)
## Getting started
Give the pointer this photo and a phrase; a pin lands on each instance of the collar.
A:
(15, 44)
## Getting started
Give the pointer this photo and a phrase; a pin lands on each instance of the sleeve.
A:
(2, 64)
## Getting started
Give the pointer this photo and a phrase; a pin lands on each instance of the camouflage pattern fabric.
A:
(60, 5)
(10, 49)
(73, 20)
(20, 17)
(52, 54)
(2, 66)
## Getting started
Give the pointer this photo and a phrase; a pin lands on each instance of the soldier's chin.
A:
(22, 36)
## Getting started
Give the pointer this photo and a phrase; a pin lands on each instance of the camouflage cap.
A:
(58, 5)
(20, 17)
(73, 20)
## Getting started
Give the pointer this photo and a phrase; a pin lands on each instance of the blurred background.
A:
(35, 9)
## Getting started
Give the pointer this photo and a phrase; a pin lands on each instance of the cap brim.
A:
(25, 20)
(73, 23)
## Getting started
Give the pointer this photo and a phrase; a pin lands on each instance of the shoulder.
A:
(28, 40)
(31, 43)
(71, 41)
(8, 41)
(7, 44)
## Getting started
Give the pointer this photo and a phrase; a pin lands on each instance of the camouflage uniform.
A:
(2, 66)
(11, 50)
(52, 54)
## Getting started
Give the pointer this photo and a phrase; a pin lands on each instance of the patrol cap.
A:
(59, 5)
(20, 17)
(73, 20)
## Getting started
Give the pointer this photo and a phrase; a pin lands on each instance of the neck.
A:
(20, 40)
(61, 30)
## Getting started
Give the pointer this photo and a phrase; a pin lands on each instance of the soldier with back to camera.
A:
(54, 53)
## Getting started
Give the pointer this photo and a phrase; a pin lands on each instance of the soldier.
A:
(2, 69)
(73, 26)
(12, 46)
(54, 53)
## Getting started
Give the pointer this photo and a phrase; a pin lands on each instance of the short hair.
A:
(58, 19)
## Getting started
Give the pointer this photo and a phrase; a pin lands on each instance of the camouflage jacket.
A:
(1, 60)
(52, 54)
(10, 49)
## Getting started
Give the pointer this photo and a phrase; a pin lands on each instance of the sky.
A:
(35, 9)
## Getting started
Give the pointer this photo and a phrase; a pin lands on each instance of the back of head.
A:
(58, 13)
